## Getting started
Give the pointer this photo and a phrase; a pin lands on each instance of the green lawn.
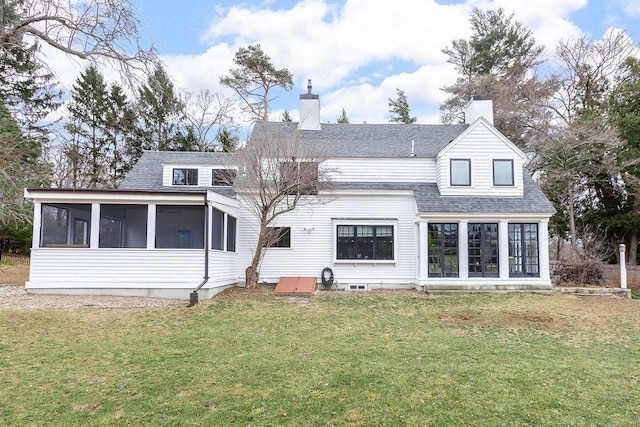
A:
(252, 359)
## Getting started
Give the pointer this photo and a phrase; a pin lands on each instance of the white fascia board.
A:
(481, 216)
(67, 196)
(216, 199)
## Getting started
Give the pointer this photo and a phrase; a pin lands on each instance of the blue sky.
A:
(357, 52)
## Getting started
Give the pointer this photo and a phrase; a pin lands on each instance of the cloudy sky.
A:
(357, 52)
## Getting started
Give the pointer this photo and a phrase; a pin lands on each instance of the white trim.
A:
(481, 121)
(346, 221)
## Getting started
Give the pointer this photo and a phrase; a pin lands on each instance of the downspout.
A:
(193, 296)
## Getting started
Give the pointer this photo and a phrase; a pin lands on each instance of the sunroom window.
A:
(65, 225)
(180, 227)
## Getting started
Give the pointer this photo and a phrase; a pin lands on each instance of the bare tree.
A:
(90, 29)
(206, 113)
(277, 174)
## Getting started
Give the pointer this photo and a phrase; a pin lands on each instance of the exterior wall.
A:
(504, 282)
(410, 169)
(482, 146)
(170, 273)
(313, 237)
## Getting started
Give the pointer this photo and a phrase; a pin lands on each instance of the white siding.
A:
(411, 169)
(482, 146)
(129, 268)
(313, 237)
(204, 174)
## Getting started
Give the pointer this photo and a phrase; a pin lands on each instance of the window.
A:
(460, 172)
(364, 242)
(483, 250)
(503, 172)
(185, 177)
(223, 177)
(217, 229)
(523, 250)
(180, 226)
(278, 237)
(123, 226)
(65, 224)
(443, 250)
(299, 177)
(231, 233)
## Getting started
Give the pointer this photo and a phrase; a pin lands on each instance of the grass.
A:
(255, 360)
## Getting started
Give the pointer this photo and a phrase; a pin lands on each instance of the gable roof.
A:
(385, 140)
(146, 174)
(481, 121)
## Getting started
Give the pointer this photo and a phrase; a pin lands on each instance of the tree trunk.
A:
(633, 248)
(572, 219)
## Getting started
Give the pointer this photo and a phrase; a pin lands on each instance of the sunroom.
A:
(115, 242)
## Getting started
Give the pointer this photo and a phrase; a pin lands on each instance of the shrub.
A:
(583, 273)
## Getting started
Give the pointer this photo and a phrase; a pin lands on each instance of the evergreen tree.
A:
(343, 117)
(253, 80)
(227, 141)
(499, 60)
(89, 108)
(399, 107)
(160, 112)
(286, 117)
(120, 133)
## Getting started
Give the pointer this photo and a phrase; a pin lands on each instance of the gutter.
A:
(193, 296)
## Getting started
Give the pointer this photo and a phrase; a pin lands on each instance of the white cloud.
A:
(357, 52)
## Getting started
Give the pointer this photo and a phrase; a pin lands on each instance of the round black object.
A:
(327, 277)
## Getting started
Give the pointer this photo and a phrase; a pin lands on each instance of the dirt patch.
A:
(13, 274)
(16, 298)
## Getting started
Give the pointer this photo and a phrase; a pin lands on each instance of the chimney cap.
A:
(309, 95)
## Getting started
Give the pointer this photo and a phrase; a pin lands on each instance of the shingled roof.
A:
(366, 140)
(146, 174)
(429, 200)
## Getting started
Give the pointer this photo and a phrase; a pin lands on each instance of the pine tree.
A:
(286, 117)
(343, 117)
(160, 112)
(399, 107)
(253, 80)
(88, 111)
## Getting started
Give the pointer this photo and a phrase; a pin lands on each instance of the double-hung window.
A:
(365, 242)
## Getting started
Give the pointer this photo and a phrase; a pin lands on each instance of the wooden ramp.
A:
(296, 286)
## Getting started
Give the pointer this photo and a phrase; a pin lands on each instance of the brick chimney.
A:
(309, 110)
(479, 106)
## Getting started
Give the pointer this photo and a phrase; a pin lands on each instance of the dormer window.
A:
(503, 172)
(185, 177)
(223, 177)
(460, 172)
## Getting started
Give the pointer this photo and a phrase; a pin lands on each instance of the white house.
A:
(433, 207)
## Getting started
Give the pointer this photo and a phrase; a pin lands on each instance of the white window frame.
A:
(382, 222)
